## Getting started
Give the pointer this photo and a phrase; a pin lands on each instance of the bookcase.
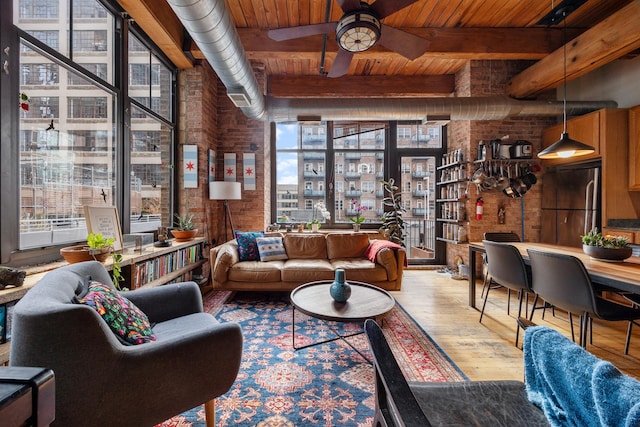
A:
(159, 266)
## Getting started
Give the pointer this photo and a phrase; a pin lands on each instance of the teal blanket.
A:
(575, 388)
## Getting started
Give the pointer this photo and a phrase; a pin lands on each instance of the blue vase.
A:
(340, 290)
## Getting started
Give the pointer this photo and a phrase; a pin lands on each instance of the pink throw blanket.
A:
(377, 245)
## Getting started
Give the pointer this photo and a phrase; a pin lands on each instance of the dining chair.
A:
(506, 267)
(562, 280)
(496, 236)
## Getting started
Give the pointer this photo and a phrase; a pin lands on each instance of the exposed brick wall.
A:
(489, 78)
(236, 134)
(197, 125)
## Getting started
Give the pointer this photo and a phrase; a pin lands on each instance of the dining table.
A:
(618, 276)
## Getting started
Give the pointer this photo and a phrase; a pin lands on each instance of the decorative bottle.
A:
(340, 290)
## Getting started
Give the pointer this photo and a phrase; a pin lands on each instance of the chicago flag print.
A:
(229, 166)
(249, 171)
(190, 165)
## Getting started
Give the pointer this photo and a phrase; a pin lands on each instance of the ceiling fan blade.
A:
(289, 33)
(341, 64)
(384, 8)
(349, 5)
(406, 44)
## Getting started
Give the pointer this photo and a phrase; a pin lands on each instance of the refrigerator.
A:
(571, 203)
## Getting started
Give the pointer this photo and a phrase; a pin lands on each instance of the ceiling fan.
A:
(360, 29)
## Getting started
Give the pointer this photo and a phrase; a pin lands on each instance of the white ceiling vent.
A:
(239, 97)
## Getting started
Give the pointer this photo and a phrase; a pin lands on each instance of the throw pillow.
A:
(247, 246)
(271, 248)
(126, 320)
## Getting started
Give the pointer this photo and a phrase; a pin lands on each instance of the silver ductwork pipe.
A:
(488, 108)
(209, 24)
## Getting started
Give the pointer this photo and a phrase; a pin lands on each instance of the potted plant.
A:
(359, 218)
(316, 222)
(606, 248)
(97, 248)
(392, 222)
(185, 228)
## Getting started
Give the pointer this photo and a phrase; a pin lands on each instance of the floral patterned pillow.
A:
(126, 320)
(247, 245)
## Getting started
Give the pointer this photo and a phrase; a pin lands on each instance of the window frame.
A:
(10, 36)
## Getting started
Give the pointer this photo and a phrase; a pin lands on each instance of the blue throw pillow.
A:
(247, 245)
(271, 248)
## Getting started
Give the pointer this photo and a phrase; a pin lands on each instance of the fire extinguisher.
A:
(479, 209)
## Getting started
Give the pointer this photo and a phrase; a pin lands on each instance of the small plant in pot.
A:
(606, 248)
(185, 228)
(98, 248)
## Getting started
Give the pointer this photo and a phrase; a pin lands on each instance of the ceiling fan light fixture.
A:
(358, 31)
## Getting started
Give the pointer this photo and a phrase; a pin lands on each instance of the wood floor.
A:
(486, 351)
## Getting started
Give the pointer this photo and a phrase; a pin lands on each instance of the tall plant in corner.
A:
(392, 222)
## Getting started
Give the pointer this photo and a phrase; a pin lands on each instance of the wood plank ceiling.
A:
(458, 31)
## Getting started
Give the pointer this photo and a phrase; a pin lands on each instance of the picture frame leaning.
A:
(105, 220)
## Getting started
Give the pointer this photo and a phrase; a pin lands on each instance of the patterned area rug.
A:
(325, 385)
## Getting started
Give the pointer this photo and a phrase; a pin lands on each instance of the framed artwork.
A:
(104, 219)
(190, 165)
(249, 171)
(230, 166)
(212, 165)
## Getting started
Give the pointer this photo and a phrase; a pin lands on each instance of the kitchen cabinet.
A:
(585, 129)
(634, 148)
(611, 125)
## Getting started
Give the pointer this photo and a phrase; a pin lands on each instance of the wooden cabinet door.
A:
(585, 129)
(634, 148)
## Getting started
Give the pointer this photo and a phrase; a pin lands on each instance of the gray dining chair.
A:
(562, 280)
(506, 267)
(496, 236)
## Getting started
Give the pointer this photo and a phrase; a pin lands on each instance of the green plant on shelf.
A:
(185, 222)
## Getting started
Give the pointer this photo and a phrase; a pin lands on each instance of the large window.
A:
(354, 161)
(73, 148)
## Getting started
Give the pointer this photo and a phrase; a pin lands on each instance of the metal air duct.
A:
(490, 108)
(209, 24)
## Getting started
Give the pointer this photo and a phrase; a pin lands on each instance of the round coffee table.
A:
(366, 302)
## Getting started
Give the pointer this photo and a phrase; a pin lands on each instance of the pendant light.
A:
(565, 147)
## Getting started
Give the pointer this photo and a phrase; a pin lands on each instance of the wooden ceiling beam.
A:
(361, 86)
(448, 43)
(612, 38)
(161, 24)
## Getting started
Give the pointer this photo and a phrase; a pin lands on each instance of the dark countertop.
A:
(624, 224)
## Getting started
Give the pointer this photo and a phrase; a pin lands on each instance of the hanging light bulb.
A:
(565, 147)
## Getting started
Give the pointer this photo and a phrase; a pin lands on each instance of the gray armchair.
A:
(102, 382)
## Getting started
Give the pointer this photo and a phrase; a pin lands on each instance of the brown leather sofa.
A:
(311, 257)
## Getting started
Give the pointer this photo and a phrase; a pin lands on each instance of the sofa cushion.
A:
(256, 272)
(347, 245)
(361, 269)
(247, 246)
(307, 270)
(305, 246)
(126, 320)
(271, 249)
